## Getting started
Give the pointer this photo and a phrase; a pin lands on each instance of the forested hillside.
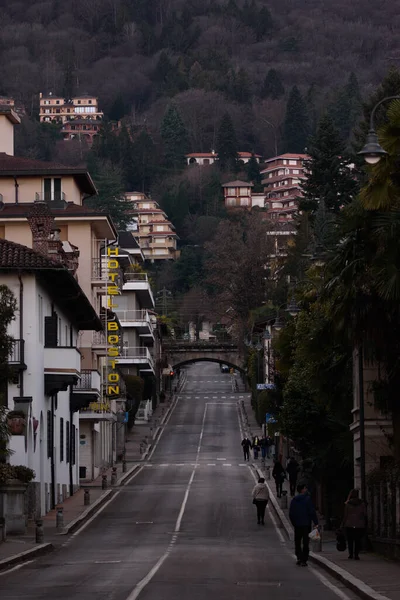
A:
(210, 56)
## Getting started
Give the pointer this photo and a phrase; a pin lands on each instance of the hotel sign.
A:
(113, 331)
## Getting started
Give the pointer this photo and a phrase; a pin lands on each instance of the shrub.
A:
(9, 472)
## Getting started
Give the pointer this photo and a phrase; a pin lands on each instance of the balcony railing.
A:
(16, 356)
(139, 354)
(133, 315)
(100, 272)
(86, 382)
(99, 338)
(51, 197)
(136, 277)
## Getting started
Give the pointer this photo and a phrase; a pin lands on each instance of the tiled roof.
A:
(237, 183)
(16, 165)
(9, 211)
(16, 256)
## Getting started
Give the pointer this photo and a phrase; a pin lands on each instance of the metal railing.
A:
(100, 273)
(85, 382)
(99, 338)
(133, 315)
(136, 277)
(16, 356)
(52, 197)
(137, 353)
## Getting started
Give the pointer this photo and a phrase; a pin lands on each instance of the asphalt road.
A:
(184, 528)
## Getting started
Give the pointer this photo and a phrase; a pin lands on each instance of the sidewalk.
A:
(373, 577)
(139, 442)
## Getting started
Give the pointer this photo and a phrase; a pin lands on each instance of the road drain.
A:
(260, 583)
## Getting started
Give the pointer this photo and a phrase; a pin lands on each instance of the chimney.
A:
(45, 235)
(8, 118)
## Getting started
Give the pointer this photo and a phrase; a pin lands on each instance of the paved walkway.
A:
(75, 512)
(371, 577)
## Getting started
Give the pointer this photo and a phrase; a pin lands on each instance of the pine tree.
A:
(227, 145)
(296, 126)
(241, 91)
(272, 86)
(253, 171)
(144, 162)
(264, 23)
(126, 157)
(110, 198)
(329, 178)
(311, 109)
(175, 139)
(347, 107)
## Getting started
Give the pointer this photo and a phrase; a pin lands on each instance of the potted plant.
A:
(16, 422)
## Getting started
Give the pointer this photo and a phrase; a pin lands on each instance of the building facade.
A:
(52, 310)
(155, 234)
(79, 116)
(238, 194)
(209, 158)
(282, 178)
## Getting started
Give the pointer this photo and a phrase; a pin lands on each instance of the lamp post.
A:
(372, 150)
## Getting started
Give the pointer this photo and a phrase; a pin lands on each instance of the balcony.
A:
(139, 319)
(138, 356)
(97, 411)
(139, 283)
(86, 390)
(55, 199)
(100, 273)
(62, 366)
(16, 359)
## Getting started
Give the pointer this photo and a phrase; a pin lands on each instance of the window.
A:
(285, 162)
(79, 101)
(52, 189)
(49, 435)
(50, 331)
(231, 191)
(292, 162)
(230, 201)
(47, 111)
(159, 228)
(90, 102)
(244, 191)
(61, 439)
(67, 443)
(296, 171)
(244, 202)
(57, 102)
(40, 315)
(73, 444)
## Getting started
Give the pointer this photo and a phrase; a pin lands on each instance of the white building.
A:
(51, 310)
(209, 158)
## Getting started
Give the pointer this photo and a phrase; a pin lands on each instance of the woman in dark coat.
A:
(278, 474)
(354, 522)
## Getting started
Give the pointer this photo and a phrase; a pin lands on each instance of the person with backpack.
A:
(246, 446)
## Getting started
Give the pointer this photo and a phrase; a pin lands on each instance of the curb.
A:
(22, 557)
(353, 583)
(125, 476)
(72, 525)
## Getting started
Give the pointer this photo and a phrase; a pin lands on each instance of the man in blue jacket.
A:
(302, 514)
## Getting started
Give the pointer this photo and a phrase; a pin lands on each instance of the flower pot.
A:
(16, 425)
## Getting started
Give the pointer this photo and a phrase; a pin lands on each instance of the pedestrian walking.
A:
(246, 445)
(260, 495)
(263, 446)
(256, 446)
(278, 473)
(354, 522)
(268, 446)
(292, 469)
(302, 514)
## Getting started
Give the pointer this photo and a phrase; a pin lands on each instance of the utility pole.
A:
(163, 299)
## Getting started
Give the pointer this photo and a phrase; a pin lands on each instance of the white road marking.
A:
(211, 465)
(221, 458)
(146, 580)
(226, 465)
(164, 465)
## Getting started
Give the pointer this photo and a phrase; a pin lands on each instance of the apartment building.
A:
(238, 194)
(209, 158)
(61, 191)
(52, 311)
(80, 116)
(155, 234)
(282, 178)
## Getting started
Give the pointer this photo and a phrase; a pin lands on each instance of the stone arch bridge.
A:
(179, 353)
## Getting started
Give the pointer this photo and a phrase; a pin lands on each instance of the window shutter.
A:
(50, 331)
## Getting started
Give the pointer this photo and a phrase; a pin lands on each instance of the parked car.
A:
(224, 369)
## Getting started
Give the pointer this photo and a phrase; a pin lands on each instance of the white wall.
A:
(32, 450)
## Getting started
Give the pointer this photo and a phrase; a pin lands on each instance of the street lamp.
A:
(278, 325)
(372, 150)
(293, 308)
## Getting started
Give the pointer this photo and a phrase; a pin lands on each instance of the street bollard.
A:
(104, 483)
(124, 466)
(86, 497)
(114, 476)
(39, 532)
(284, 499)
(60, 518)
(3, 530)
